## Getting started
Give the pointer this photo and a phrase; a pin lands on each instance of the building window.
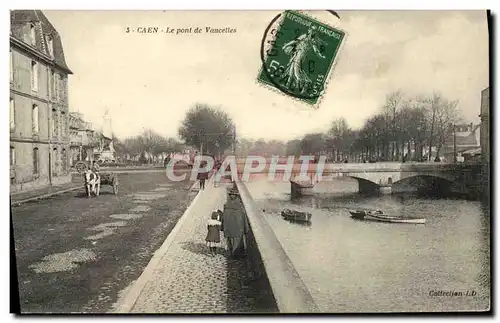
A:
(12, 113)
(32, 34)
(54, 122)
(36, 160)
(34, 118)
(63, 87)
(64, 160)
(11, 67)
(50, 45)
(56, 85)
(12, 156)
(51, 83)
(63, 123)
(34, 76)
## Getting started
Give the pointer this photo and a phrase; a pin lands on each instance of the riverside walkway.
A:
(182, 276)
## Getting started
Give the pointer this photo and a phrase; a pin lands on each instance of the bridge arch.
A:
(365, 185)
(427, 184)
(443, 175)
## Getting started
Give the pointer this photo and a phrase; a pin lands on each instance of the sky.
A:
(149, 81)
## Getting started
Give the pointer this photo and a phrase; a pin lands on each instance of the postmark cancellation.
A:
(298, 54)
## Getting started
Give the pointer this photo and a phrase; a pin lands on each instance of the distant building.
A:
(39, 133)
(485, 136)
(82, 139)
(467, 140)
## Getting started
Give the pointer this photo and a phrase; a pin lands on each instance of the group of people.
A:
(232, 222)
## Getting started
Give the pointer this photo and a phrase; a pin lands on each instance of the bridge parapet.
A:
(290, 292)
(426, 167)
(329, 168)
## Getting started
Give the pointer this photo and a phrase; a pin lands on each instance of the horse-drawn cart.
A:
(110, 179)
(106, 178)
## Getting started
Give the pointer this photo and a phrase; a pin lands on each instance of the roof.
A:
(19, 20)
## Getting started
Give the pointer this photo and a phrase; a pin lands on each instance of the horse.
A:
(92, 182)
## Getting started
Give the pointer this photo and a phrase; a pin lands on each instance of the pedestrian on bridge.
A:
(202, 177)
(217, 166)
(213, 235)
(235, 225)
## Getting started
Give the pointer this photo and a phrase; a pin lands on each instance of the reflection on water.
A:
(358, 266)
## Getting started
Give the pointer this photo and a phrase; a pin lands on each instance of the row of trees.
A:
(424, 121)
(205, 128)
(402, 125)
(146, 145)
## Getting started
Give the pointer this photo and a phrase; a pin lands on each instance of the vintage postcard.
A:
(293, 161)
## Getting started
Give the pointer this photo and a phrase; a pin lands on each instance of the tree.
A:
(259, 147)
(391, 109)
(339, 138)
(244, 147)
(446, 114)
(433, 103)
(292, 148)
(132, 145)
(120, 148)
(152, 142)
(207, 127)
(312, 143)
(414, 126)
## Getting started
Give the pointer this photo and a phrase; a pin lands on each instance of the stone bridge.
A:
(464, 178)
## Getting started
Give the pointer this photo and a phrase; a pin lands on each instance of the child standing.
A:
(213, 234)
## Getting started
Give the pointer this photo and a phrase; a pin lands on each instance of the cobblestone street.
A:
(74, 254)
(188, 279)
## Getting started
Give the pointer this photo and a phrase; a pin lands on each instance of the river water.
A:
(357, 266)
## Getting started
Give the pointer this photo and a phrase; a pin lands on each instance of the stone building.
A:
(39, 136)
(82, 139)
(466, 139)
(485, 137)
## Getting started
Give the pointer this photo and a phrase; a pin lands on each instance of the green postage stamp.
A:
(298, 55)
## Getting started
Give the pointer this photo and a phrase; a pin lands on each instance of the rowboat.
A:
(377, 215)
(296, 216)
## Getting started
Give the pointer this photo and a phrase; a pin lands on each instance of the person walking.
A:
(235, 226)
(202, 177)
(215, 169)
(213, 235)
(95, 167)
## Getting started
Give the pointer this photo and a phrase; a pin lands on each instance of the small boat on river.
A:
(296, 216)
(377, 215)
